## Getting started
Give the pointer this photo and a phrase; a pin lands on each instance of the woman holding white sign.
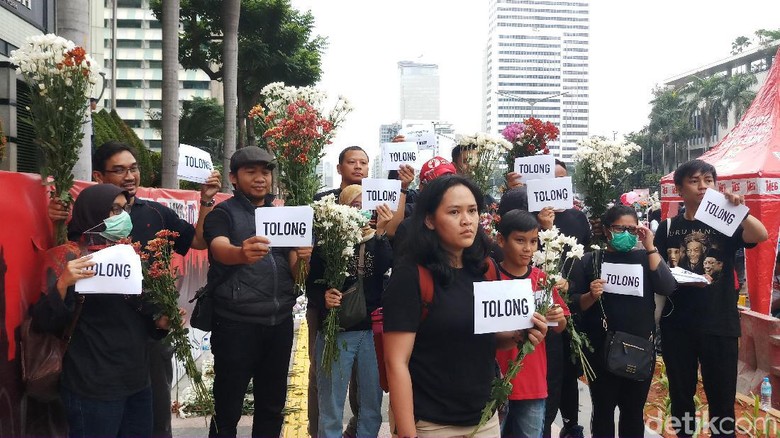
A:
(440, 372)
(105, 385)
(614, 291)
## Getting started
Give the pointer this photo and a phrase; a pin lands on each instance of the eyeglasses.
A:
(621, 228)
(118, 209)
(122, 171)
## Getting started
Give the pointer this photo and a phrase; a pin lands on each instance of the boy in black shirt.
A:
(701, 323)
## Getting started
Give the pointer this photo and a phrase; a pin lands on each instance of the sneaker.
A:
(575, 431)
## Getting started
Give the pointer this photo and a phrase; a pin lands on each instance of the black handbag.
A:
(202, 317)
(352, 310)
(627, 355)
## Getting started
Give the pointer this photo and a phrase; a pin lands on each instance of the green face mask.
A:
(623, 242)
(117, 227)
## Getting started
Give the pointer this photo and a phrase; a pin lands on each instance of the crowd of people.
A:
(439, 372)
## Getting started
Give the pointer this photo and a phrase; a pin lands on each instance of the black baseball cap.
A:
(251, 155)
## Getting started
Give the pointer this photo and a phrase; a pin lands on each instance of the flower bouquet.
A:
(529, 138)
(160, 289)
(337, 229)
(489, 221)
(60, 75)
(551, 260)
(601, 164)
(296, 130)
(482, 163)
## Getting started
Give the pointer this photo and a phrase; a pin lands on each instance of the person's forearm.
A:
(401, 398)
(753, 231)
(560, 327)
(198, 242)
(587, 300)
(228, 254)
(653, 260)
(398, 216)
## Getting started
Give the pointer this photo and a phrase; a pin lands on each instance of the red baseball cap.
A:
(434, 168)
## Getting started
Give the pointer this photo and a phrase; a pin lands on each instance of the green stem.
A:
(330, 331)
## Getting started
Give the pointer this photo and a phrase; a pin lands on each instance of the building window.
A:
(129, 44)
(196, 85)
(129, 83)
(129, 24)
(127, 3)
(134, 123)
(155, 44)
(155, 64)
(129, 63)
(127, 103)
(155, 24)
(155, 104)
(155, 84)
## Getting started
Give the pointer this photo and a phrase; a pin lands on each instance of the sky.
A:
(634, 46)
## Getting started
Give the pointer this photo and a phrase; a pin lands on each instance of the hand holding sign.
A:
(722, 212)
(289, 227)
(623, 279)
(396, 154)
(556, 193)
(378, 192)
(74, 271)
(501, 306)
(254, 249)
(116, 270)
(535, 167)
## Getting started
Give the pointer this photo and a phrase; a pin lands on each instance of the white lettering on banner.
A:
(194, 164)
(535, 167)
(716, 211)
(186, 210)
(555, 193)
(396, 154)
(623, 279)
(287, 227)
(378, 191)
(503, 306)
(117, 271)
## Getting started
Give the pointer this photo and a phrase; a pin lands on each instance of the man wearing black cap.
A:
(253, 299)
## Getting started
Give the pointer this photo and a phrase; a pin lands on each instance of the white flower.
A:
(576, 252)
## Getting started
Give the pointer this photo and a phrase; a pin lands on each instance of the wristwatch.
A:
(207, 203)
(405, 191)
(652, 251)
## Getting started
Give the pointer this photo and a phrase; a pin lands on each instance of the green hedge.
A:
(110, 127)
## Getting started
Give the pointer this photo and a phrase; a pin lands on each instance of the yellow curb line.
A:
(296, 420)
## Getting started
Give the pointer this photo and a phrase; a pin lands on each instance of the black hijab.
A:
(92, 206)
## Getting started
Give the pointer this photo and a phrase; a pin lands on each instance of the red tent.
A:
(747, 161)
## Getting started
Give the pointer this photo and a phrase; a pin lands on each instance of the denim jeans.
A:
(129, 416)
(524, 419)
(355, 346)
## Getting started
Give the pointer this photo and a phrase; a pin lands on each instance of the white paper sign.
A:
(535, 167)
(396, 154)
(716, 211)
(285, 226)
(501, 306)
(425, 138)
(684, 276)
(117, 271)
(381, 191)
(194, 164)
(623, 279)
(556, 193)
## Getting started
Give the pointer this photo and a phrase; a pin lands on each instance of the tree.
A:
(170, 94)
(201, 124)
(767, 36)
(738, 94)
(231, 12)
(275, 44)
(740, 43)
(704, 104)
(669, 125)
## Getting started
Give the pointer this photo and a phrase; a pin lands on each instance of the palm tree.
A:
(740, 44)
(231, 12)
(738, 94)
(170, 93)
(704, 104)
(669, 123)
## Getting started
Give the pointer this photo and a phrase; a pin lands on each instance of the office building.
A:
(536, 64)
(419, 90)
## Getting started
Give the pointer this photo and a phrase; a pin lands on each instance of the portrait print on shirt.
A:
(698, 253)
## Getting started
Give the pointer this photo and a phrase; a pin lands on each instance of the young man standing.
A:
(253, 300)
(701, 322)
(115, 163)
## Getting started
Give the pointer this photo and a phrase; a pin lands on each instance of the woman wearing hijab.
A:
(105, 385)
(373, 257)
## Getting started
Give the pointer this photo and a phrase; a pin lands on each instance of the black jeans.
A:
(609, 391)
(243, 351)
(562, 390)
(684, 351)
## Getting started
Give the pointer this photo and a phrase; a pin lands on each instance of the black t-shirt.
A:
(334, 192)
(624, 313)
(451, 367)
(149, 217)
(697, 247)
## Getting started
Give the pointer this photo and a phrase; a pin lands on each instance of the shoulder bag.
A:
(353, 301)
(627, 355)
(202, 317)
(42, 355)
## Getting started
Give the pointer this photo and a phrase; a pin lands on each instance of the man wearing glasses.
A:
(116, 163)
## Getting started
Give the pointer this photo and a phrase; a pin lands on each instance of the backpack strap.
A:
(492, 273)
(426, 290)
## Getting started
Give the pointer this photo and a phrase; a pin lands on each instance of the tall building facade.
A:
(536, 64)
(138, 82)
(419, 90)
